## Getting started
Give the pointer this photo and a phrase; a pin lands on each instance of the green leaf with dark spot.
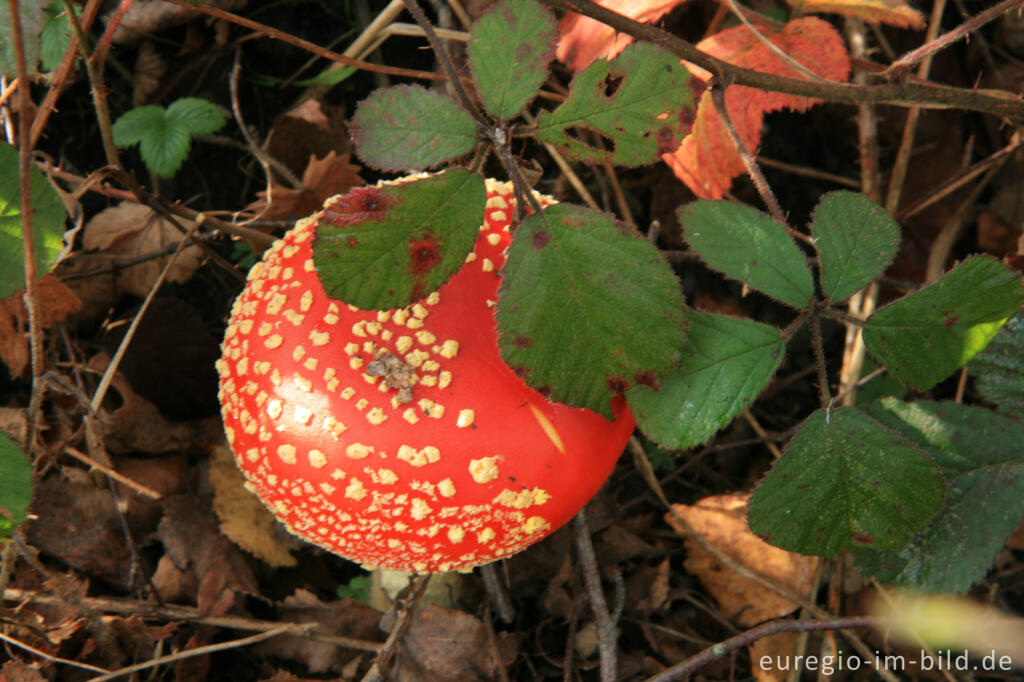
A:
(845, 481)
(47, 223)
(628, 111)
(999, 369)
(726, 363)
(587, 307)
(980, 455)
(746, 244)
(922, 338)
(510, 48)
(386, 247)
(856, 240)
(408, 127)
(15, 485)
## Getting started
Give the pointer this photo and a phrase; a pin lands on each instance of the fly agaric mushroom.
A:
(399, 438)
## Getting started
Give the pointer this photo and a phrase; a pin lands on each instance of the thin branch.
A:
(767, 196)
(606, 632)
(120, 478)
(48, 657)
(819, 361)
(907, 61)
(290, 629)
(681, 670)
(276, 34)
(910, 93)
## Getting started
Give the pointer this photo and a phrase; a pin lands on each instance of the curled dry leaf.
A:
(322, 179)
(707, 160)
(55, 303)
(722, 521)
(135, 233)
(442, 645)
(243, 518)
(311, 129)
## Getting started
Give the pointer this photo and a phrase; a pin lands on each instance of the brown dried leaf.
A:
(150, 67)
(243, 518)
(722, 521)
(134, 231)
(343, 618)
(16, 671)
(323, 178)
(143, 18)
(312, 129)
(191, 539)
(54, 303)
(442, 645)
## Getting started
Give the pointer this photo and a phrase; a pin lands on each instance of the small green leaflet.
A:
(15, 485)
(408, 127)
(587, 308)
(999, 369)
(386, 247)
(726, 363)
(56, 36)
(856, 240)
(47, 223)
(165, 136)
(980, 455)
(638, 107)
(746, 244)
(923, 337)
(845, 481)
(509, 51)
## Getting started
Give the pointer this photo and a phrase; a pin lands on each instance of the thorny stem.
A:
(496, 135)
(31, 296)
(606, 634)
(819, 360)
(899, 67)
(763, 189)
(680, 670)
(910, 93)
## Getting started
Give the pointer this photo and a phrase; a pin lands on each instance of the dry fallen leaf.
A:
(707, 160)
(55, 302)
(311, 129)
(442, 645)
(243, 518)
(777, 648)
(893, 12)
(134, 232)
(722, 521)
(322, 179)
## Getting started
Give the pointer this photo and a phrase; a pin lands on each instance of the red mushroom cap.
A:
(400, 439)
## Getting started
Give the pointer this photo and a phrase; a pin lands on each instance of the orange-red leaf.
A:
(585, 39)
(707, 160)
(894, 12)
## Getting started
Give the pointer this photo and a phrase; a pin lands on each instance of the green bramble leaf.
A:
(747, 245)
(15, 486)
(389, 246)
(165, 136)
(47, 223)
(923, 337)
(856, 240)
(628, 111)
(55, 37)
(980, 455)
(999, 369)
(33, 18)
(587, 307)
(510, 48)
(197, 116)
(726, 363)
(845, 481)
(408, 127)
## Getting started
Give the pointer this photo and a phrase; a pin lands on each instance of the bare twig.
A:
(681, 670)
(933, 45)
(290, 629)
(49, 657)
(607, 635)
(405, 609)
(120, 478)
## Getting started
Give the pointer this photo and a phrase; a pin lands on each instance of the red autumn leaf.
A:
(707, 160)
(585, 39)
(894, 12)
